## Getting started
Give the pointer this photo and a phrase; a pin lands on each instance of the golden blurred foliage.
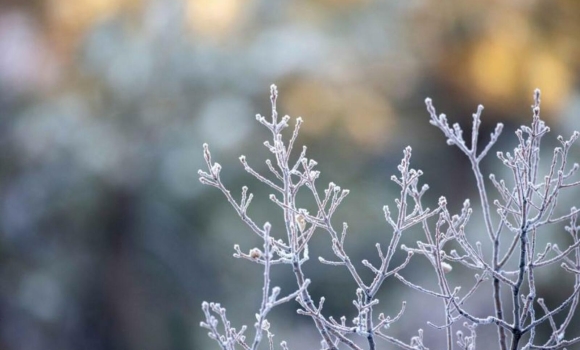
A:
(510, 60)
(68, 20)
(338, 3)
(314, 99)
(493, 64)
(366, 114)
(499, 54)
(214, 19)
(549, 72)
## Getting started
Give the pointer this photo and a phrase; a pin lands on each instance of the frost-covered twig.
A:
(526, 204)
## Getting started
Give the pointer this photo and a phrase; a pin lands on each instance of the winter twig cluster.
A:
(527, 202)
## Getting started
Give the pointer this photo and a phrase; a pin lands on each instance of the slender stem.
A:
(495, 248)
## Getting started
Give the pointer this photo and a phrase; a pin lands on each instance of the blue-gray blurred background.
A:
(107, 238)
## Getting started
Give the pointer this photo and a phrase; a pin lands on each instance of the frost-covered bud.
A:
(255, 253)
(301, 222)
(446, 267)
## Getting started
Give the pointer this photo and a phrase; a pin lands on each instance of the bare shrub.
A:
(527, 204)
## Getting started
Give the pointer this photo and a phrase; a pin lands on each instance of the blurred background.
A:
(109, 241)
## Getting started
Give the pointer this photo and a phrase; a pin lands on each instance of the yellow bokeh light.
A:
(494, 65)
(75, 15)
(68, 20)
(316, 101)
(547, 72)
(213, 18)
(365, 114)
(512, 59)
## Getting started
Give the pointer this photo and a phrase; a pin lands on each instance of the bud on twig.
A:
(446, 267)
(301, 222)
(255, 253)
